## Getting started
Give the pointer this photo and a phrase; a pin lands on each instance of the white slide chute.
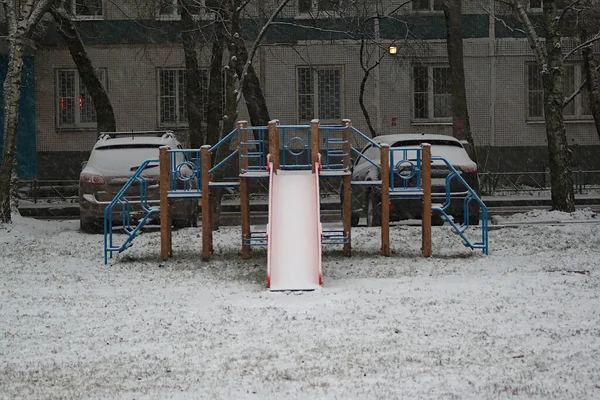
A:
(294, 231)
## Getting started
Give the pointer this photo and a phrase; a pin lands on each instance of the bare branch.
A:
(532, 36)
(581, 46)
(11, 12)
(578, 91)
(259, 38)
(502, 21)
(242, 6)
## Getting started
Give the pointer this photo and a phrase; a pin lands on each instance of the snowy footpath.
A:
(523, 322)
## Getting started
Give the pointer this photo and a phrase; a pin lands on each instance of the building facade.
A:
(310, 67)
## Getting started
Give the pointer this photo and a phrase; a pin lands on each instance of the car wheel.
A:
(90, 226)
(437, 219)
(354, 220)
(373, 210)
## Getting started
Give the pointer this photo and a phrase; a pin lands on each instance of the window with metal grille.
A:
(319, 93)
(75, 108)
(427, 5)
(311, 6)
(578, 108)
(87, 8)
(172, 97)
(432, 97)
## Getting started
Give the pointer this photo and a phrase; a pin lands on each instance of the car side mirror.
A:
(84, 164)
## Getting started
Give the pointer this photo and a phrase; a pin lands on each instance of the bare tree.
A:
(461, 126)
(22, 17)
(193, 93)
(104, 111)
(549, 59)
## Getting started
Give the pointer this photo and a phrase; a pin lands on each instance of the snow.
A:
(523, 322)
(542, 216)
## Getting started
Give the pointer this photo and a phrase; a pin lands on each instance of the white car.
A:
(114, 159)
(366, 200)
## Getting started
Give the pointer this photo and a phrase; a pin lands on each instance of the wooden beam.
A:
(314, 144)
(244, 195)
(274, 149)
(385, 200)
(426, 202)
(206, 225)
(166, 247)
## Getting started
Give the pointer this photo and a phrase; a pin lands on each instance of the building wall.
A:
(495, 71)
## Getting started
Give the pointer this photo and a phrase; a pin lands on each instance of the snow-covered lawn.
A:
(523, 322)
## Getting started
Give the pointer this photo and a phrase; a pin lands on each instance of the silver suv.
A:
(113, 160)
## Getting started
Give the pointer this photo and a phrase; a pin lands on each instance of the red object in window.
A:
(62, 102)
(394, 121)
(80, 102)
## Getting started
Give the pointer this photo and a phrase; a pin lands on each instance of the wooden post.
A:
(385, 200)
(244, 195)
(426, 202)
(347, 147)
(274, 149)
(347, 188)
(166, 246)
(206, 225)
(314, 144)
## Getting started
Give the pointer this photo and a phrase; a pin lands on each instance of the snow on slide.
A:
(294, 252)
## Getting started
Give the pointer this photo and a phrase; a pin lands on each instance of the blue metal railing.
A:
(470, 197)
(132, 232)
(295, 146)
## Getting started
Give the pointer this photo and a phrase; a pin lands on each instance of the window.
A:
(172, 97)
(171, 9)
(87, 9)
(538, 5)
(319, 93)
(313, 6)
(578, 108)
(427, 5)
(75, 108)
(432, 97)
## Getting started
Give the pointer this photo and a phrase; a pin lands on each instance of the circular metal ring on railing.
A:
(294, 140)
(405, 169)
(186, 176)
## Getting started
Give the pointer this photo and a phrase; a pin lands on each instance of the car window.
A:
(372, 154)
(122, 158)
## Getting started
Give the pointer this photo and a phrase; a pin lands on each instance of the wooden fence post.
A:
(314, 144)
(244, 195)
(206, 217)
(426, 202)
(274, 149)
(166, 246)
(347, 187)
(385, 200)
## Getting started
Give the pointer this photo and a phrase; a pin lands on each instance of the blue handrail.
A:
(109, 247)
(484, 244)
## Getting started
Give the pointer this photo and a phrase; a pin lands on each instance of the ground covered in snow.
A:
(523, 322)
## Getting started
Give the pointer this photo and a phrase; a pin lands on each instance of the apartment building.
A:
(310, 67)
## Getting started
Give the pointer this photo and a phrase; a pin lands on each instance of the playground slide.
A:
(294, 231)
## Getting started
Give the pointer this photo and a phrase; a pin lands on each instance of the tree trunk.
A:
(215, 90)
(104, 111)
(461, 126)
(558, 152)
(251, 88)
(12, 98)
(590, 67)
(193, 93)
(228, 125)
(363, 84)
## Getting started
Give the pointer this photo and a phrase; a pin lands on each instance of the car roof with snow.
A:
(414, 137)
(125, 139)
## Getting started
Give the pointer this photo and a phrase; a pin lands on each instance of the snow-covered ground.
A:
(523, 322)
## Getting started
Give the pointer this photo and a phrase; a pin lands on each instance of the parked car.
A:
(366, 200)
(114, 159)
